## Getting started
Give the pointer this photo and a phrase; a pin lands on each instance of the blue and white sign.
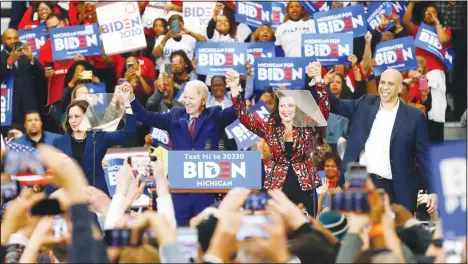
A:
(448, 161)
(161, 137)
(215, 58)
(96, 88)
(316, 6)
(253, 13)
(69, 41)
(275, 72)
(243, 136)
(214, 169)
(6, 93)
(328, 49)
(342, 20)
(398, 54)
(427, 39)
(110, 173)
(34, 38)
(375, 9)
(259, 50)
(278, 11)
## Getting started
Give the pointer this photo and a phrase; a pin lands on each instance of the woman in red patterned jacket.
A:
(291, 166)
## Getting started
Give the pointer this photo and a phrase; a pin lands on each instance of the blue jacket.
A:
(408, 143)
(209, 125)
(48, 139)
(103, 141)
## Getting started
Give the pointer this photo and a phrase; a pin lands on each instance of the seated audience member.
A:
(55, 71)
(162, 100)
(29, 93)
(219, 96)
(34, 134)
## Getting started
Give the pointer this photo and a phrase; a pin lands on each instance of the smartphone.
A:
(388, 9)
(154, 203)
(10, 135)
(423, 83)
(46, 207)
(251, 227)
(168, 69)
(188, 238)
(23, 163)
(350, 201)
(86, 75)
(176, 28)
(357, 175)
(59, 226)
(268, 89)
(129, 65)
(10, 190)
(122, 81)
(19, 46)
(49, 64)
(256, 201)
(118, 237)
(141, 166)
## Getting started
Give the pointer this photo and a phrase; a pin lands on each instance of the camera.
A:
(129, 65)
(141, 165)
(19, 46)
(256, 201)
(86, 75)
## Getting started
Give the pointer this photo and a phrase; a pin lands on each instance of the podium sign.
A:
(214, 170)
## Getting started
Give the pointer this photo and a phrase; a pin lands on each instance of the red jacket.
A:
(303, 141)
(146, 66)
(55, 83)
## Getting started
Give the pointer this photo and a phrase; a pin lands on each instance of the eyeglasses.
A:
(43, 9)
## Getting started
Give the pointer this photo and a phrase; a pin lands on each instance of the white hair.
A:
(202, 89)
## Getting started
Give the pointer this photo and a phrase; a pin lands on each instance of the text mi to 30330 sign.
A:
(214, 169)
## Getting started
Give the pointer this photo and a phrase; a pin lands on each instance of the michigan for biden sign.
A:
(69, 41)
(275, 72)
(398, 54)
(328, 49)
(341, 20)
(427, 39)
(214, 169)
(34, 38)
(253, 13)
(217, 58)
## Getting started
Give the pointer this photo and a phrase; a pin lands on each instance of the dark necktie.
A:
(192, 126)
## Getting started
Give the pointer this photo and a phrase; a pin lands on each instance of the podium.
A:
(214, 171)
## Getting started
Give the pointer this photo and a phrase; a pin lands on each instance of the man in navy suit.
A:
(34, 134)
(390, 138)
(189, 129)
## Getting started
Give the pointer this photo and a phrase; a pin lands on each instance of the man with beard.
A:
(34, 134)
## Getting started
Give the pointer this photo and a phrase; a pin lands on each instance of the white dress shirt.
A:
(376, 154)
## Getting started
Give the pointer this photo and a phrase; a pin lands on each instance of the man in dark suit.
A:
(189, 129)
(390, 138)
(29, 93)
(34, 134)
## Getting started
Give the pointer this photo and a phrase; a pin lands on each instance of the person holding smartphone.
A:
(132, 72)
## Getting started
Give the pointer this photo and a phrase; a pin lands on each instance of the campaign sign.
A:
(34, 38)
(152, 13)
(398, 54)
(448, 161)
(6, 93)
(278, 9)
(161, 137)
(96, 88)
(110, 172)
(215, 169)
(197, 15)
(214, 58)
(253, 13)
(375, 9)
(243, 136)
(328, 49)
(67, 42)
(427, 39)
(316, 6)
(259, 50)
(286, 71)
(341, 20)
(449, 58)
(122, 27)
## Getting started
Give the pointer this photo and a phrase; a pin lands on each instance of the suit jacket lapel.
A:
(373, 109)
(66, 141)
(399, 119)
(88, 151)
(184, 125)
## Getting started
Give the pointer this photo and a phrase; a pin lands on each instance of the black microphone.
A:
(221, 146)
(208, 144)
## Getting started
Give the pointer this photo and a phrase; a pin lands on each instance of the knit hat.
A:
(335, 222)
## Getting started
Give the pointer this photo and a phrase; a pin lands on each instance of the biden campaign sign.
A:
(6, 98)
(342, 20)
(122, 27)
(161, 137)
(328, 49)
(34, 38)
(214, 169)
(243, 136)
(398, 54)
(375, 9)
(427, 39)
(214, 58)
(259, 50)
(285, 71)
(197, 15)
(69, 41)
(278, 9)
(253, 13)
(316, 6)
(448, 161)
